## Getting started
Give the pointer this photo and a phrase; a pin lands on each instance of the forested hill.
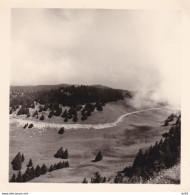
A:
(66, 95)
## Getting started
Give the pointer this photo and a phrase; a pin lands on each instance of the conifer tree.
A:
(98, 157)
(19, 177)
(43, 169)
(30, 164)
(17, 162)
(38, 171)
(13, 179)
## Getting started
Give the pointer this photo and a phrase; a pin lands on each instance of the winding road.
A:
(41, 125)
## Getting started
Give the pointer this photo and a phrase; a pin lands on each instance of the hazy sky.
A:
(129, 49)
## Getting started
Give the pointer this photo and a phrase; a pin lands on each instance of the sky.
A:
(128, 49)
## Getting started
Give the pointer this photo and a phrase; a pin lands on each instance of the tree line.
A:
(66, 96)
(32, 172)
(162, 155)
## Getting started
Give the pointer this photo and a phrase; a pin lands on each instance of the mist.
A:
(126, 49)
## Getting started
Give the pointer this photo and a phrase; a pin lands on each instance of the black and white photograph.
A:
(95, 96)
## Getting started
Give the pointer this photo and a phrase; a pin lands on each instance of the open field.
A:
(119, 145)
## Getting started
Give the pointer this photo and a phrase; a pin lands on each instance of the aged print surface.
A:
(95, 96)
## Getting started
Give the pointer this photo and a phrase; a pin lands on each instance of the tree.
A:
(118, 178)
(65, 154)
(66, 119)
(98, 157)
(19, 177)
(27, 175)
(51, 113)
(75, 119)
(30, 164)
(59, 153)
(43, 169)
(42, 117)
(85, 180)
(66, 164)
(61, 131)
(37, 171)
(17, 162)
(13, 179)
(22, 158)
(25, 125)
(65, 114)
(30, 126)
(99, 106)
(98, 179)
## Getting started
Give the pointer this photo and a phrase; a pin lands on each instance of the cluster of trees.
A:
(70, 96)
(32, 172)
(162, 155)
(97, 178)
(29, 126)
(170, 119)
(23, 110)
(17, 161)
(62, 154)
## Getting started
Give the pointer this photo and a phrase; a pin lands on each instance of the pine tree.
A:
(61, 131)
(30, 164)
(22, 157)
(98, 157)
(59, 153)
(43, 169)
(37, 171)
(42, 117)
(30, 126)
(13, 179)
(17, 162)
(19, 177)
(25, 125)
(65, 154)
(85, 180)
